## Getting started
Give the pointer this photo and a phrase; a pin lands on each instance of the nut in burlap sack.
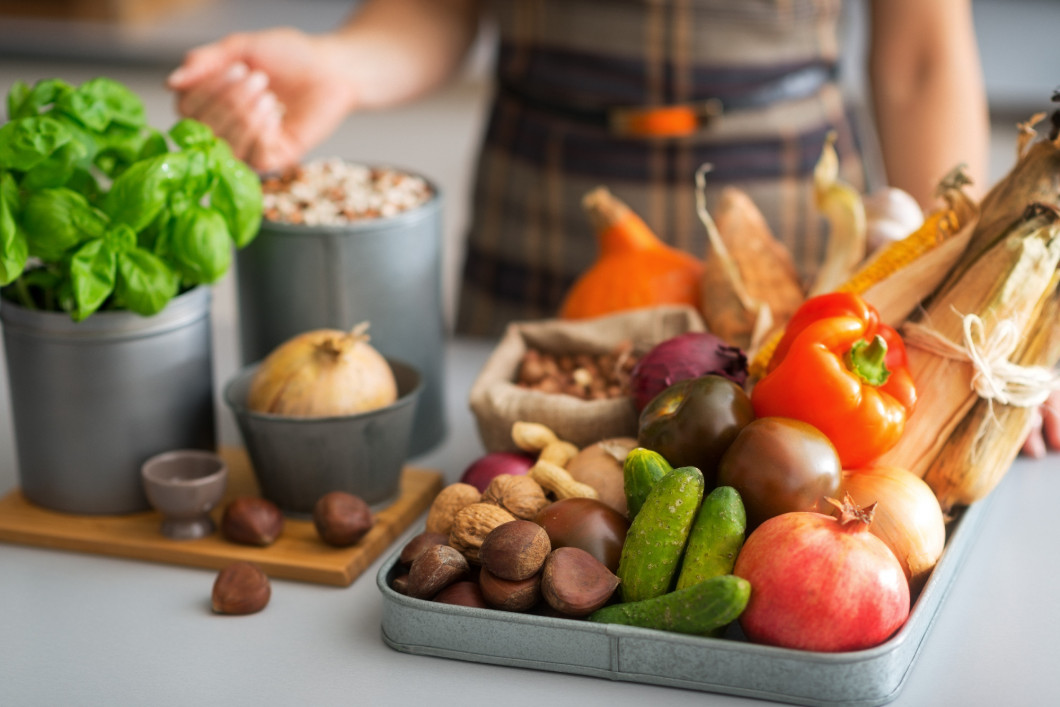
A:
(497, 401)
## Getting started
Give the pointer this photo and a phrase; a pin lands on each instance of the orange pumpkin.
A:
(634, 268)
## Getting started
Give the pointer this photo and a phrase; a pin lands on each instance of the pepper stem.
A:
(865, 359)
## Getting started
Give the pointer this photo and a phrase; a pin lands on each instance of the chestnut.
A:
(588, 524)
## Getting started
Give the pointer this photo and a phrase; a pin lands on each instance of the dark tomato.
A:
(779, 465)
(588, 524)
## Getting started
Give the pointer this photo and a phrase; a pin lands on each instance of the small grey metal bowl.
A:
(184, 485)
(296, 460)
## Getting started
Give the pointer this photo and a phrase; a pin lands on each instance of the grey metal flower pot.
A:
(92, 400)
(294, 278)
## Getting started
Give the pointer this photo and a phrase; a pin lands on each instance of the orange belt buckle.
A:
(663, 121)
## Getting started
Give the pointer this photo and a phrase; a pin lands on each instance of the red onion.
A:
(482, 470)
(685, 356)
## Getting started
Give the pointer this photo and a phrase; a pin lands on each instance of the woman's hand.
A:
(1045, 429)
(273, 95)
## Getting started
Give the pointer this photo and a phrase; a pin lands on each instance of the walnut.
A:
(472, 524)
(519, 495)
(448, 501)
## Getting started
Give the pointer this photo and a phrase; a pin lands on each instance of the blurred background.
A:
(139, 42)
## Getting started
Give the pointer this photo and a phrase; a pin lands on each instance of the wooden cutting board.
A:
(298, 554)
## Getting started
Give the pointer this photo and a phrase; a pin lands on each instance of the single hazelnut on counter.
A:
(240, 588)
(342, 519)
(250, 520)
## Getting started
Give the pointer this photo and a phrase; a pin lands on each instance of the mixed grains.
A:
(332, 191)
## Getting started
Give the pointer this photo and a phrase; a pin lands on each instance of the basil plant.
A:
(100, 211)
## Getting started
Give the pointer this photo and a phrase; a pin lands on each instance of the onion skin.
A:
(323, 373)
(820, 584)
(484, 469)
(908, 517)
(688, 355)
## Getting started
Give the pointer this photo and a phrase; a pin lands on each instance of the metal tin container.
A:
(729, 665)
(296, 460)
(387, 271)
(92, 400)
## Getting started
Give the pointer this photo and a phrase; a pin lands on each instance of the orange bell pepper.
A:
(841, 370)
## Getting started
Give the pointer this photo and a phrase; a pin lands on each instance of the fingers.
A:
(208, 60)
(1034, 446)
(1050, 413)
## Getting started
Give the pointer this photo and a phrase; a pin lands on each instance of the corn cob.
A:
(921, 260)
(1004, 285)
(841, 206)
(985, 443)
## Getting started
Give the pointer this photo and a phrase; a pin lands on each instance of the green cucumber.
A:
(641, 470)
(657, 535)
(716, 538)
(701, 609)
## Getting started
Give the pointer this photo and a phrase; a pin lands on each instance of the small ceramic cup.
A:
(184, 486)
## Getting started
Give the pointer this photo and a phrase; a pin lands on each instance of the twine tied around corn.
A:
(995, 377)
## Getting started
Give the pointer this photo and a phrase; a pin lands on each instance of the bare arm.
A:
(928, 93)
(277, 93)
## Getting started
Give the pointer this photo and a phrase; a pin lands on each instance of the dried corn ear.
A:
(985, 443)
(762, 264)
(955, 341)
(841, 205)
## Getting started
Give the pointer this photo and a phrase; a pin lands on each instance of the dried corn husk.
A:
(983, 446)
(841, 205)
(1000, 289)
(1035, 178)
(750, 270)
(900, 276)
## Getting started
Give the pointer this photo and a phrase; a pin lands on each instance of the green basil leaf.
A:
(200, 245)
(59, 219)
(43, 93)
(189, 132)
(100, 102)
(140, 193)
(154, 144)
(123, 143)
(93, 270)
(26, 142)
(236, 193)
(16, 96)
(57, 169)
(14, 249)
(145, 283)
(120, 238)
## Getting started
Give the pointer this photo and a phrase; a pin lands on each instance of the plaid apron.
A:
(565, 70)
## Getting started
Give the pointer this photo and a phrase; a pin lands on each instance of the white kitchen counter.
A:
(86, 630)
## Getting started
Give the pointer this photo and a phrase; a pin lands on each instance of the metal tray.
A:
(729, 665)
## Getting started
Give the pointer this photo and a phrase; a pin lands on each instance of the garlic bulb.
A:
(891, 214)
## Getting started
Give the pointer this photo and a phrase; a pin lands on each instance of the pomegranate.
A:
(821, 583)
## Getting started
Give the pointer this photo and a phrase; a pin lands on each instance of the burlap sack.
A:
(497, 402)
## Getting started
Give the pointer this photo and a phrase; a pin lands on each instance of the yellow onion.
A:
(322, 373)
(908, 517)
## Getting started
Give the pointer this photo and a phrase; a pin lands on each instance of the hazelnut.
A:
(515, 550)
(508, 595)
(250, 520)
(575, 583)
(464, 593)
(472, 524)
(435, 569)
(240, 588)
(400, 583)
(342, 519)
(419, 543)
(446, 504)
(519, 495)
